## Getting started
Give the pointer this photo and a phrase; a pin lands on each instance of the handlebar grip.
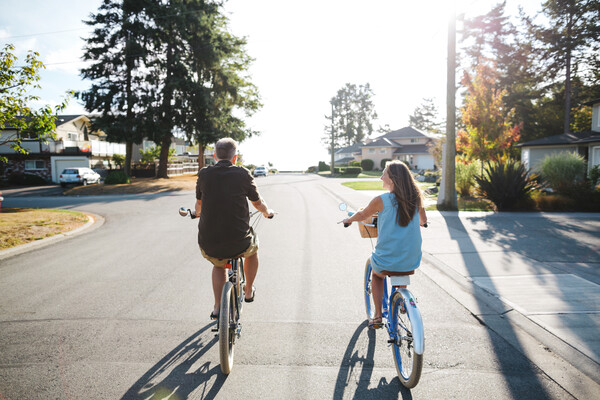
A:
(346, 225)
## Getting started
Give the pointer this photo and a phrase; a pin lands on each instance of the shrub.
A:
(384, 161)
(352, 171)
(323, 166)
(367, 164)
(312, 170)
(118, 159)
(26, 180)
(506, 184)
(465, 176)
(116, 177)
(563, 170)
(354, 164)
(594, 176)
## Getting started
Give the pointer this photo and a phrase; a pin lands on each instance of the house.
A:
(347, 154)
(406, 144)
(586, 143)
(75, 145)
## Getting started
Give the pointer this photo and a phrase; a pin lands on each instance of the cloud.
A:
(65, 60)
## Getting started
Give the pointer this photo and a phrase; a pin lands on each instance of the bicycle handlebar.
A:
(370, 225)
(184, 212)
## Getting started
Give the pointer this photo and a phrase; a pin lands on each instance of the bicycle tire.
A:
(367, 291)
(409, 365)
(227, 323)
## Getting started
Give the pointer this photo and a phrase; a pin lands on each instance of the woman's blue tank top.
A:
(398, 247)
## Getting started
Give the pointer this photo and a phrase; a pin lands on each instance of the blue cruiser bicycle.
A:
(401, 317)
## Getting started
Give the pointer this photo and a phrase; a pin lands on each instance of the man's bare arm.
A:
(261, 206)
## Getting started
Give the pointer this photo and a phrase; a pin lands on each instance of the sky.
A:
(304, 53)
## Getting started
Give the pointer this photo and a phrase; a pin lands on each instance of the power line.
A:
(43, 33)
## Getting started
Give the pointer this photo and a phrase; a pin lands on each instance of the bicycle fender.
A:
(416, 321)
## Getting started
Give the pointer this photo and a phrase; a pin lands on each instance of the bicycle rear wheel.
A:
(228, 318)
(409, 364)
(369, 305)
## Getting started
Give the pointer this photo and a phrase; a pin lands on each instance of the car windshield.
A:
(70, 171)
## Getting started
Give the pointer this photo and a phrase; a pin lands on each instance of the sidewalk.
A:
(533, 278)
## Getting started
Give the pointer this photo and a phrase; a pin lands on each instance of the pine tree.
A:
(118, 50)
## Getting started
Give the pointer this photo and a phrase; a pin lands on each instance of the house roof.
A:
(382, 142)
(406, 132)
(564, 138)
(350, 149)
(59, 120)
(592, 102)
(412, 149)
(344, 160)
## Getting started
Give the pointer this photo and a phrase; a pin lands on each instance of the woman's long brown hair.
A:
(406, 191)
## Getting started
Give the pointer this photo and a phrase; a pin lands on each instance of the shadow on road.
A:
(353, 362)
(177, 376)
(520, 375)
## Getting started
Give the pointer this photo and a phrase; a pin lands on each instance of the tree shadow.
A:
(177, 376)
(353, 361)
(527, 371)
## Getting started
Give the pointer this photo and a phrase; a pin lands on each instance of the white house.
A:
(75, 146)
(406, 144)
(586, 143)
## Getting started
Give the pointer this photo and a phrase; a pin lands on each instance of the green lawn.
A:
(365, 185)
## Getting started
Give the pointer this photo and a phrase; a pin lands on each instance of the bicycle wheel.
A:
(409, 364)
(369, 305)
(227, 325)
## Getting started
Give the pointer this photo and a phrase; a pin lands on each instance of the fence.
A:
(149, 170)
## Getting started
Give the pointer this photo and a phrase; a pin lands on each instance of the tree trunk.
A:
(567, 125)
(447, 196)
(200, 156)
(128, 157)
(163, 165)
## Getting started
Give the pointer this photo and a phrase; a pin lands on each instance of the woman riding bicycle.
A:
(398, 250)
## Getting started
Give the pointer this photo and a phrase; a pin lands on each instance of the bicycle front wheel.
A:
(409, 364)
(228, 319)
(368, 295)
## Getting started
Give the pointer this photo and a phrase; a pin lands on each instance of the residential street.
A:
(510, 304)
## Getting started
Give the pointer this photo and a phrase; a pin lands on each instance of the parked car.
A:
(78, 175)
(260, 171)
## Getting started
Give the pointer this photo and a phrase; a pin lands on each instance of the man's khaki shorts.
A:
(250, 251)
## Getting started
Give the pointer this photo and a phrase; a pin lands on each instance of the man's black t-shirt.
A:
(224, 230)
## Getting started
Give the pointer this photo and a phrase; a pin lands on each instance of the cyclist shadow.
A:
(177, 376)
(353, 362)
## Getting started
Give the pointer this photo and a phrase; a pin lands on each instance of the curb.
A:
(568, 367)
(94, 222)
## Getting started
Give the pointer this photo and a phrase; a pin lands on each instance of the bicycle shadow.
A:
(173, 376)
(353, 361)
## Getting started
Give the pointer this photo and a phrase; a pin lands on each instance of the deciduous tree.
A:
(16, 84)
(489, 133)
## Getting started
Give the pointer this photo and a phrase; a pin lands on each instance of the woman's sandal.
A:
(214, 316)
(376, 323)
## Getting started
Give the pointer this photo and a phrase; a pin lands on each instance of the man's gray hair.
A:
(226, 148)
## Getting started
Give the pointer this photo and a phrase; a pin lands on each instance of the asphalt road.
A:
(122, 312)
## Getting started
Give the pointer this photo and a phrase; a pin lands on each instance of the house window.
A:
(382, 151)
(72, 136)
(371, 150)
(35, 164)
(414, 140)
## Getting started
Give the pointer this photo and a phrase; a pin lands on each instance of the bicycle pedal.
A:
(215, 329)
(391, 341)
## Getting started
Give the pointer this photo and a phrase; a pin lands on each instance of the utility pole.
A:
(447, 195)
(332, 141)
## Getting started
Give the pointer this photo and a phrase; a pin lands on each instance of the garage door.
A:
(60, 163)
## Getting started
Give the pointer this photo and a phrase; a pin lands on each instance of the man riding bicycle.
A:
(224, 230)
